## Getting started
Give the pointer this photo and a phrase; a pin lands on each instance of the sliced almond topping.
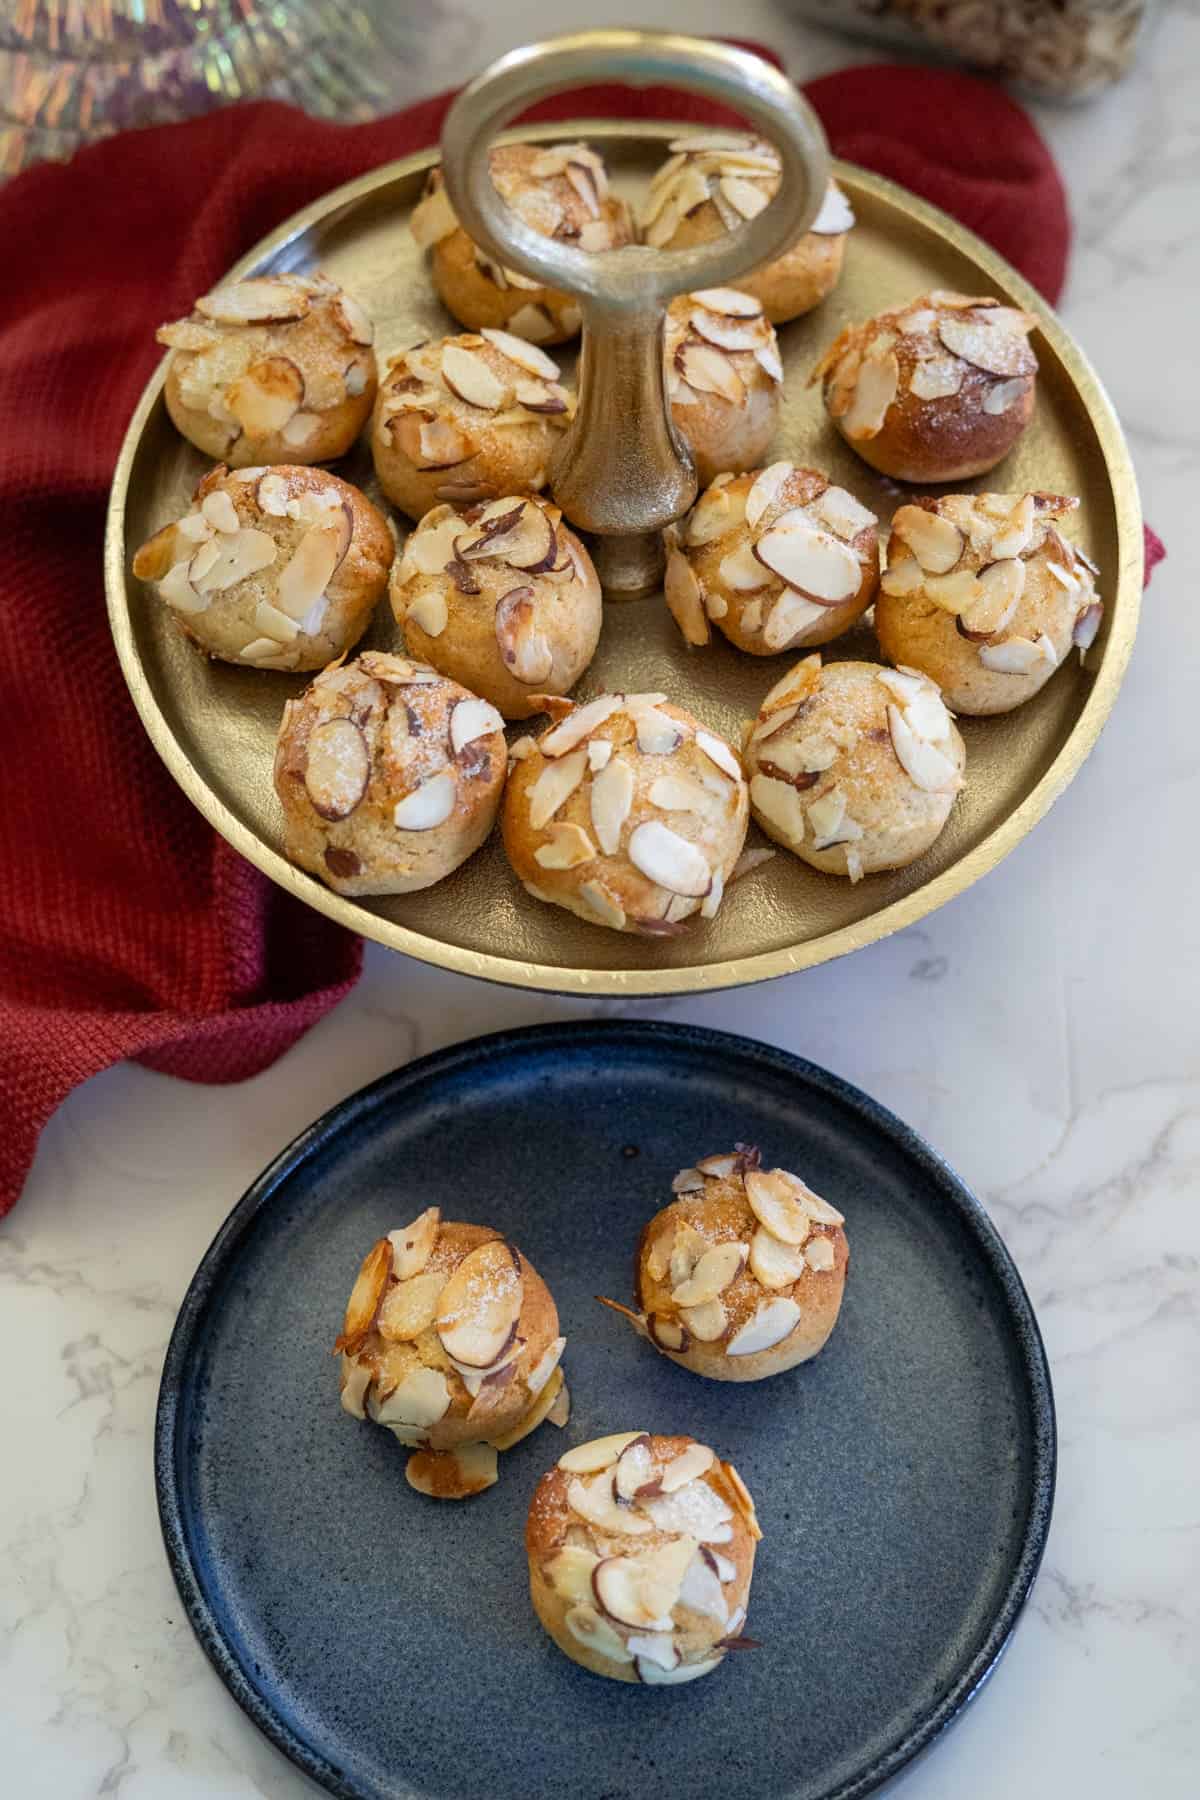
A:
(710, 371)
(481, 1304)
(187, 335)
(439, 443)
(273, 624)
(570, 1573)
(611, 800)
(568, 847)
(421, 1399)
(1087, 625)
(926, 715)
(223, 562)
(527, 355)
(777, 805)
(602, 905)
(687, 1247)
(773, 1321)
(452, 1474)
(829, 822)
(1014, 536)
(272, 494)
(532, 322)
(683, 596)
(353, 318)
(600, 1453)
(706, 1322)
(429, 612)
(903, 575)
(836, 215)
(729, 303)
(778, 1205)
(595, 1501)
(744, 196)
(924, 765)
(669, 860)
(712, 1275)
(744, 1503)
(819, 1254)
(545, 1366)
(253, 301)
(749, 861)
(937, 543)
(338, 768)
(312, 566)
(775, 1264)
(526, 651)
(587, 1627)
(162, 553)
(657, 733)
(695, 1510)
(844, 515)
(815, 562)
(680, 793)
(428, 805)
(365, 1296)
(468, 376)
(742, 571)
(553, 1402)
(988, 347)
(689, 1465)
(356, 1379)
(874, 391)
(412, 1245)
(936, 378)
(220, 511)
(715, 513)
(765, 491)
(433, 218)
(266, 396)
(554, 785)
(1014, 656)
(701, 1590)
(732, 335)
(720, 753)
(653, 1676)
(579, 723)
(668, 1334)
(998, 589)
(471, 719)
(410, 1307)
(634, 1470)
(1004, 394)
(789, 618)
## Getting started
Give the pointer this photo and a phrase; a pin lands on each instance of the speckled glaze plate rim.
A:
(746, 1057)
(1116, 644)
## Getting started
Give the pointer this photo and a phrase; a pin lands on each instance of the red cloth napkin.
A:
(128, 928)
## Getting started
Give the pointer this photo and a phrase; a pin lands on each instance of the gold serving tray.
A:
(214, 725)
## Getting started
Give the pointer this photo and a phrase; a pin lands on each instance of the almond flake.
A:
(773, 1263)
(844, 515)
(836, 215)
(765, 491)
(742, 571)
(611, 800)
(774, 1320)
(790, 617)
(1017, 531)
(695, 1510)
(657, 733)
(987, 347)
(265, 653)
(1004, 394)
(480, 1305)
(472, 719)
(253, 301)
(470, 378)
(820, 1254)
(709, 371)
(428, 805)
(569, 846)
(224, 561)
(595, 1501)
(730, 335)
(749, 861)
(936, 542)
(729, 303)
(600, 1453)
(354, 319)
(599, 754)
(412, 1245)
(338, 768)
(689, 1465)
(588, 1628)
(266, 397)
(936, 378)
(272, 494)
(999, 587)
(312, 566)
(874, 391)
(554, 786)
(532, 322)
(273, 624)
(777, 804)
(220, 511)
(956, 592)
(433, 218)
(719, 752)
(430, 612)
(706, 1322)
(924, 765)
(716, 1269)
(679, 793)
(780, 1204)
(768, 359)
(668, 860)
(187, 335)
(579, 723)
(655, 1677)
(1087, 625)
(744, 196)
(683, 596)
(814, 562)
(410, 1307)
(525, 651)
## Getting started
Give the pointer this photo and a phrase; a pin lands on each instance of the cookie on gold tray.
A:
(724, 378)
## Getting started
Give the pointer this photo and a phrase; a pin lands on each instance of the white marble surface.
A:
(1043, 1031)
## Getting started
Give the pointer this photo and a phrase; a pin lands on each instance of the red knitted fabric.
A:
(128, 929)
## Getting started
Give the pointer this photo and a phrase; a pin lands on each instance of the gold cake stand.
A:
(214, 725)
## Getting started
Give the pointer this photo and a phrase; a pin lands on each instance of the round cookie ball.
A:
(636, 1585)
(467, 418)
(723, 378)
(559, 190)
(502, 597)
(711, 183)
(853, 767)
(777, 559)
(272, 568)
(937, 390)
(388, 774)
(628, 813)
(985, 596)
(451, 1342)
(742, 1275)
(275, 368)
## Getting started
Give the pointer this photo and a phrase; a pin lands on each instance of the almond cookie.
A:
(937, 390)
(723, 378)
(714, 181)
(984, 594)
(628, 812)
(467, 418)
(451, 1342)
(777, 559)
(388, 774)
(275, 368)
(502, 597)
(559, 190)
(742, 1275)
(853, 767)
(273, 568)
(641, 1553)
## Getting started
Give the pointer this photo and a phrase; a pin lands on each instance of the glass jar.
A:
(1058, 49)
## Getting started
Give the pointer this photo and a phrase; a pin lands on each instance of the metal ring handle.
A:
(635, 279)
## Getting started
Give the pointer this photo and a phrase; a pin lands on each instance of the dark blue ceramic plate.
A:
(385, 1642)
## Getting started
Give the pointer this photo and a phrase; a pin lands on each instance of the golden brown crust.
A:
(910, 393)
(293, 388)
(374, 735)
(508, 632)
(244, 533)
(724, 378)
